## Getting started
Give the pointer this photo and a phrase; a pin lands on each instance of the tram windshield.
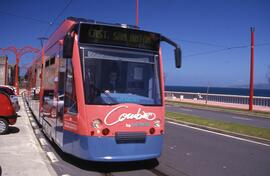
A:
(120, 76)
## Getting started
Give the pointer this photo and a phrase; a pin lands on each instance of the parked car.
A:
(13, 97)
(8, 115)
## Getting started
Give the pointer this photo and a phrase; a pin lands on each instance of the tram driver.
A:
(111, 85)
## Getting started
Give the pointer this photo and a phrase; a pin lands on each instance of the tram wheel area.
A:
(66, 164)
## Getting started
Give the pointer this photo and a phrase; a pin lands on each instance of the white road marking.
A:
(241, 118)
(220, 134)
(34, 124)
(187, 110)
(37, 131)
(52, 157)
(172, 147)
(43, 141)
(108, 157)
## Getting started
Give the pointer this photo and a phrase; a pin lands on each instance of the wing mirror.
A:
(177, 51)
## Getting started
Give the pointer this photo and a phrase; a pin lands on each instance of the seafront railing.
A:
(236, 99)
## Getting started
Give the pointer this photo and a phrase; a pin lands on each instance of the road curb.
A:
(257, 139)
(44, 143)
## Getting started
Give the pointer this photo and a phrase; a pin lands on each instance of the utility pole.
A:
(41, 91)
(251, 83)
(41, 40)
(137, 13)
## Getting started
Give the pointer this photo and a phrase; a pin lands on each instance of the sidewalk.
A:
(221, 104)
(20, 152)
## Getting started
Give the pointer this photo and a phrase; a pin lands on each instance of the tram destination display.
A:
(124, 37)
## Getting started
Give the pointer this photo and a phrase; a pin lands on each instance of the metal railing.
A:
(236, 99)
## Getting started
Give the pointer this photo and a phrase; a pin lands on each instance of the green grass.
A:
(224, 109)
(232, 127)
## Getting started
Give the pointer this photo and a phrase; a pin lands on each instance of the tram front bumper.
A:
(106, 149)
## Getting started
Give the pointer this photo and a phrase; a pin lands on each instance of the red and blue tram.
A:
(98, 90)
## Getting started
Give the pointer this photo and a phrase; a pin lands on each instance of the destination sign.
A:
(117, 36)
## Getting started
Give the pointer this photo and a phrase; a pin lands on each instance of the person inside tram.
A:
(111, 85)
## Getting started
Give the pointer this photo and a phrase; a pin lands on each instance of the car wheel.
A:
(3, 126)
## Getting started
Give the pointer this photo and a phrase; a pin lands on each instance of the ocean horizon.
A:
(218, 90)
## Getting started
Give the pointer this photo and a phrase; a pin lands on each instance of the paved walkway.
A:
(20, 152)
(221, 104)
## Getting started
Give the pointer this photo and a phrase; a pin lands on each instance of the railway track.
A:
(65, 164)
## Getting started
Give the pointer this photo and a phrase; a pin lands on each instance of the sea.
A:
(219, 90)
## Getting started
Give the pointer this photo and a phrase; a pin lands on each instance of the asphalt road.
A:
(224, 116)
(187, 151)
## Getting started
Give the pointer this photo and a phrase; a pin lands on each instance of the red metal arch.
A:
(18, 53)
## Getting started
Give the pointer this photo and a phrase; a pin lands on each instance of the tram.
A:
(97, 90)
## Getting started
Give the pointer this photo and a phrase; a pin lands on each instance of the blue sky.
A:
(201, 27)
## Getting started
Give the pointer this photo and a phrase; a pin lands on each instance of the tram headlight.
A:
(96, 123)
(157, 123)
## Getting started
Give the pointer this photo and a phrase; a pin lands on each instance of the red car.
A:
(13, 97)
(8, 115)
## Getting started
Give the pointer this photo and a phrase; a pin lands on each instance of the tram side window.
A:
(70, 93)
(48, 95)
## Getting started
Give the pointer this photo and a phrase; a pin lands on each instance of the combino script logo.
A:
(111, 120)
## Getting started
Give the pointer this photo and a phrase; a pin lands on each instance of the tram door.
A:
(60, 102)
